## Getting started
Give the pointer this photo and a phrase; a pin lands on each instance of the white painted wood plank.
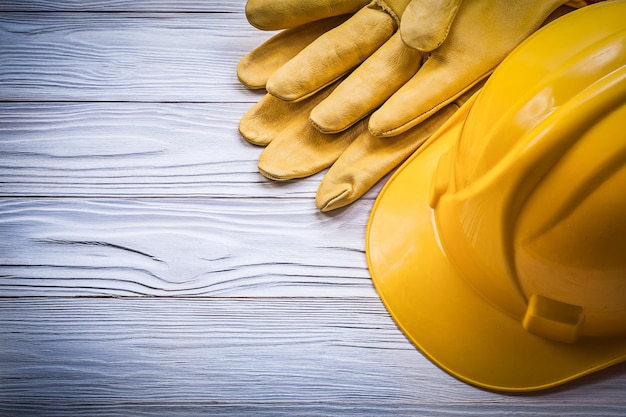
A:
(177, 247)
(124, 56)
(236, 357)
(221, 6)
(133, 149)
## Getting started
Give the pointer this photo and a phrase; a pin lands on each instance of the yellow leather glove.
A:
(283, 14)
(359, 159)
(336, 52)
(370, 158)
(279, 122)
(447, 54)
(295, 149)
(457, 52)
(303, 21)
(255, 68)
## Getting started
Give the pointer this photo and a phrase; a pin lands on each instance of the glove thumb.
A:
(425, 23)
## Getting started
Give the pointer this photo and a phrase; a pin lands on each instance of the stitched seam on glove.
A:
(380, 4)
(435, 108)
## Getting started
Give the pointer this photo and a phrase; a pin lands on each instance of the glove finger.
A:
(435, 86)
(257, 66)
(369, 158)
(301, 150)
(368, 86)
(270, 116)
(426, 23)
(332, 55)
(282, 14)
(482, 35)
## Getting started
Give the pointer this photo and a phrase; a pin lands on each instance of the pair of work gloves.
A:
(359, 85)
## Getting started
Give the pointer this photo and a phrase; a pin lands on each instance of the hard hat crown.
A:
(530, 204)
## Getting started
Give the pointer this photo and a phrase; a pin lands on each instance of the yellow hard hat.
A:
(499, 247)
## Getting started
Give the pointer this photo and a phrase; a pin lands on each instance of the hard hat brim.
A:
(446, 319)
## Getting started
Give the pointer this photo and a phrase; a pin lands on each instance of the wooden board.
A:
(171, 57)
(133, 149)
(173, 247)
(178, 6)
(252, 356)
(147, 268)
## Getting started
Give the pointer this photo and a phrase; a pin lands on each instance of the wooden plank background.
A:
(146, 268)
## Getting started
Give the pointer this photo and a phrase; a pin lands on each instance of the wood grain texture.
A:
(189, 57)
(210, 6)
(233, 247)
(147, 269)
(134, 149)
(296, 357)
